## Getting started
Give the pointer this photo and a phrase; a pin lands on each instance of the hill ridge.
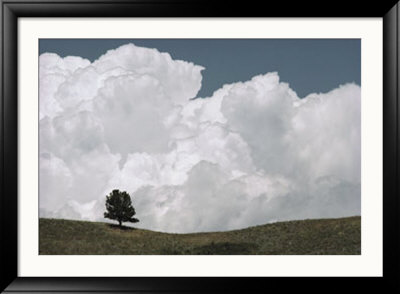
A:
(330, 236)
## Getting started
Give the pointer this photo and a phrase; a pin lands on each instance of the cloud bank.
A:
(252, 153)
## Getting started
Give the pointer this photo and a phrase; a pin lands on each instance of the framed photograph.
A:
(172, 146)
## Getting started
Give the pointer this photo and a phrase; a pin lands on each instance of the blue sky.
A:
(308, 65)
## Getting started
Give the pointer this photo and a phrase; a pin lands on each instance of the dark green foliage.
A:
(307, 237)
(119, 207)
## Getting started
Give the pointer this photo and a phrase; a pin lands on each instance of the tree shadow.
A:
(123, 228)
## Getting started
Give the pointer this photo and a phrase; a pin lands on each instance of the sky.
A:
(253, 151)
(308, 65)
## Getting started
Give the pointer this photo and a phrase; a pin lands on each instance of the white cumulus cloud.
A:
(252, 153)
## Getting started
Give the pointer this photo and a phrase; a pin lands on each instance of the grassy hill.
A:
(311, 237)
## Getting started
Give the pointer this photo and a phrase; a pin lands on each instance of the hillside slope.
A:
(310, 237)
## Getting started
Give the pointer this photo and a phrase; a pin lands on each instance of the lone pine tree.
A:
(119, 207)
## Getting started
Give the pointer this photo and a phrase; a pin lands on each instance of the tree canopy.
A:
(119, 207)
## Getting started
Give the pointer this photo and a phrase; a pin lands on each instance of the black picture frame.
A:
(12, 10)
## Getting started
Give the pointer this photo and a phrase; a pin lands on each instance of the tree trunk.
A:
(120, 224)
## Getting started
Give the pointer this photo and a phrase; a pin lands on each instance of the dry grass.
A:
(306, 237)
